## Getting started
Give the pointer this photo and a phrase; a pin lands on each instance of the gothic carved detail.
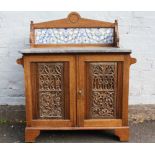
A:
(51, 90)
(103, 78)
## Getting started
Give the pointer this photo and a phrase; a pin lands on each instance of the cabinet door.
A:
(99, 90)
(50, 90)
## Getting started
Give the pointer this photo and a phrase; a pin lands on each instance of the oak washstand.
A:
(76, 77)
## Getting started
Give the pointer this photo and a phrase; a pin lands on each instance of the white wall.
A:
(137, 32)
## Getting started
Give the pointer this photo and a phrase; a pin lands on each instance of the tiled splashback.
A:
(74, 36)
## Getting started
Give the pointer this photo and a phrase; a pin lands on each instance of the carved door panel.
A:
(53, 81)
(98, 91)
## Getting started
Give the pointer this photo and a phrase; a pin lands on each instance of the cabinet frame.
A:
(120, 125)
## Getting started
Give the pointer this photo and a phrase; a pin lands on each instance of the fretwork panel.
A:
(103, 79)
(51, 90)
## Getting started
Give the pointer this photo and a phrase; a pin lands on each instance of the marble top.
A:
(74, 50)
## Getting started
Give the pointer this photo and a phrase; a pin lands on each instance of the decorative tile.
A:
(74, 36)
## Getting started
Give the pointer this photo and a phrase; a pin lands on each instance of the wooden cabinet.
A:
(80, 88)
(75, 92)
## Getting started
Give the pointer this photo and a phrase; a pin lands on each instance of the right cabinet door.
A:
(100, 90)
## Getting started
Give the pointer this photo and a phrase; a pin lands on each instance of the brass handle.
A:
(80, 93)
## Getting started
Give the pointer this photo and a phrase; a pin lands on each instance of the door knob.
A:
(80, 93)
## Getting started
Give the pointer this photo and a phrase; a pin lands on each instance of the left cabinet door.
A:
(50, 90)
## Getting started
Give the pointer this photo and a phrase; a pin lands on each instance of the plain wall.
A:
(137, 32)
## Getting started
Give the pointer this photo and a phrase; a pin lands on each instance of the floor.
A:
(139, 132)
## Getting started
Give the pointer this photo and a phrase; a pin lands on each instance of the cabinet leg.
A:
(123, 134)
(31, 134)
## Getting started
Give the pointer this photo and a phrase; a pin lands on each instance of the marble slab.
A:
(74, 50)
